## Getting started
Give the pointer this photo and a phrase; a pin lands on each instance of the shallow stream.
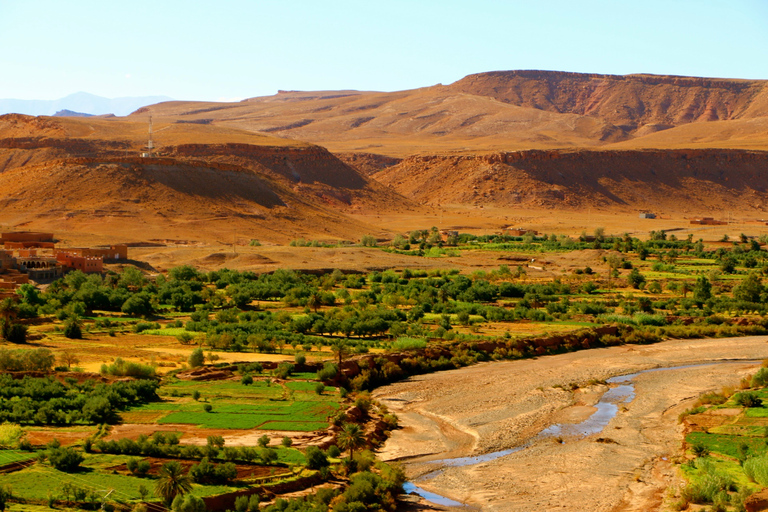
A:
(622, 391)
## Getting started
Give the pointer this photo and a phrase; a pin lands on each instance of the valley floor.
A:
(500, 405)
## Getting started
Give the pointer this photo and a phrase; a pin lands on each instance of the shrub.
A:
(319, 388)
(328, 372)
(284, 370)
(406, 343)
(316, 459)
(756, 469)
(65, 459)
(241, 504)
(748, 399)
(121, 368)
(700, 449)
(287, 442)
(72, 329)
(708, 489)
(333, 451)
(760, 379)
(185, 338)
(143, 467)
(16, 333)
(145, 326)
(207, 407)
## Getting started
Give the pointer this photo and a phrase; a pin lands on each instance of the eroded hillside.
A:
(202, 182)
(692, 182)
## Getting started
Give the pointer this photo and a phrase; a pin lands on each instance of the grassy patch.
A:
(26, 483)
(293, 405)
(10, 456)
(726, 444)
(172, 331)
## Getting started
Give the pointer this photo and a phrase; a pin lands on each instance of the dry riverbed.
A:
(501, 405)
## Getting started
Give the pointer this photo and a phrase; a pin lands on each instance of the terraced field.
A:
(292, 405)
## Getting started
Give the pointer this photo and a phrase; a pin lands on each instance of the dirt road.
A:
(501, 405)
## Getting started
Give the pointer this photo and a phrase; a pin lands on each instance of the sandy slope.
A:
(494, 406)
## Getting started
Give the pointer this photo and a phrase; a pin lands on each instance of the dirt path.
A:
(496, 406)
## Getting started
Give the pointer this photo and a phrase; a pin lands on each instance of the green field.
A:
(10, 456)
(26, 484)
(262, 405)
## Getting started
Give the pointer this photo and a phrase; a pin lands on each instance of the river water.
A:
(621, 391)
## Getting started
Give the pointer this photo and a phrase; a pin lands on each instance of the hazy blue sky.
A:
(211, 50)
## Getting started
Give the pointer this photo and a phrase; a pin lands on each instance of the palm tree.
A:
(351, 437)
(341, 349)
(172, 481)
(315, 301)
(9, 309)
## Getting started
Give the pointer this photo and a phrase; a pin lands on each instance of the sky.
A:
(227, 50)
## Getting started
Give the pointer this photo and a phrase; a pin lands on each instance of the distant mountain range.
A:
(81, 102)
(504, 111)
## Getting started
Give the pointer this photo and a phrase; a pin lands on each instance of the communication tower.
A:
(150, 144)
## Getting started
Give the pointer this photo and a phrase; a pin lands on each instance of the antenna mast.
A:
(150, 145)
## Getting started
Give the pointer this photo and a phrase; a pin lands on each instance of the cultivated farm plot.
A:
(26, 484)
(12, 456)
(262, 405)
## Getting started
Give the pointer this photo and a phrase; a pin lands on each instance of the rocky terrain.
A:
(626, 180)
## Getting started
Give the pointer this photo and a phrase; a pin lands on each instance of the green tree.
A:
(702, 290)
(316, 459)
(138, 304)
(196, 358)
(314, 301)
(635, 278)
(728, 265)
(188, 503)
(5, 495)
(9, 310)
(72, 329)
(749, 289)
(642, 251)
(65, 459)
(172, 482)
(341, 349)
(132, 278)
(351, 437)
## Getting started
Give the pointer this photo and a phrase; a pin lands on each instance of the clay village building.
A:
(510, 231)
(33, 256)
(708, 221)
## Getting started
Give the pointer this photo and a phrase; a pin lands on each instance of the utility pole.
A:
(104, 499)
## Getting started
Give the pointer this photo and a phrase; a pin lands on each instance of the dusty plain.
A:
(501, 405)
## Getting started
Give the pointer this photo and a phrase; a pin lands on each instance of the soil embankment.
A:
(495, 406)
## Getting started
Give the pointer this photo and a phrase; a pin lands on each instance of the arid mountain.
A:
(516, 140)
(203, 182)
(504, 111)
(631, 102)
(687, 182)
